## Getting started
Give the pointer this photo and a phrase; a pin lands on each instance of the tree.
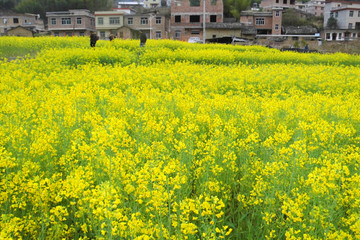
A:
(332, 23)
(233, 8)
(8, 4)
(43, 6)
(291, 18)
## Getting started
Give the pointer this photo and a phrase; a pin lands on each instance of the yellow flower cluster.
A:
(177, 141)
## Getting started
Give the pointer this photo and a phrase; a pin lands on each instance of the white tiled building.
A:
(347, 15)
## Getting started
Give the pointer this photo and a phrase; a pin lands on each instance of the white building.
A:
(347, 15)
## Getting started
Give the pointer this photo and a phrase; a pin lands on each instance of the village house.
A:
(266, 23)
(270, 4)
(78, 22)
(29, 22)
(153, 22)
(347, 15)
(187, 18)
(107, 22)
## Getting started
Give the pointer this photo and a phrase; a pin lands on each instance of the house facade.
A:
(155, 24)
(10, 20)
(347, 14)
(187, 17)
(266, 23)
(79, 22)
(152, 3)
(107, 22)
(270, 4)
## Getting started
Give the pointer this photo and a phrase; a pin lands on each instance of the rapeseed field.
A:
(177, 141)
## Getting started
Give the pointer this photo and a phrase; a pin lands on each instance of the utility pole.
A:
(204, 19)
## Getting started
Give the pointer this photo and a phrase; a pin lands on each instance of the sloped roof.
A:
(218, 25)
(296, 30)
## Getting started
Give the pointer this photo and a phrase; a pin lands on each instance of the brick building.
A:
(187, 17)
(266, 23)
(78, 22)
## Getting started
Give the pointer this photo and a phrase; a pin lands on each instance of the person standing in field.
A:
(93, 39)
(143, 39)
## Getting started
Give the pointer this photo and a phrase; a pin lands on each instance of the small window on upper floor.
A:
(15, 20)
(277, 13)
(351, 13)
(177, 18)
(212, 18)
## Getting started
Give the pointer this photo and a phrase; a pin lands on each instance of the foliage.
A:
(332, 23)
(232, 8)
(43, 6)
(291, 18)
(177, 141)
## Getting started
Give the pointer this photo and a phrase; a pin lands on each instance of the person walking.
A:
(143, 39)
(93, 39)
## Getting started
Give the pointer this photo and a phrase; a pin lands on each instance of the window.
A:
(336, 14)
(277, 1)
(350, 26)
(78, 20)
(195, 32)
(144, 20)
(276, 26)
(92, 22)
(212, 18)
(114, 20)
(158, 34)
(340, 35)
(102, 35)
(351, 13)
(354, 35)
(194, 3)
(66, 21)
(130, 21)
(328, 36)
(260, 21)
(277, 13)
(158, 20)
(100, 21)
(194, 18)
(358, 13)
(177, 18)
(284, 1)
(15, 20)
(53, 21)
(177, 34)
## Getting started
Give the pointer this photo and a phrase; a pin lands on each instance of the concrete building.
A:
(270, 4)
(187, 17)
(107, 22)
(10, 20)
(79, 22)
(347, 14)
(155, 23)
